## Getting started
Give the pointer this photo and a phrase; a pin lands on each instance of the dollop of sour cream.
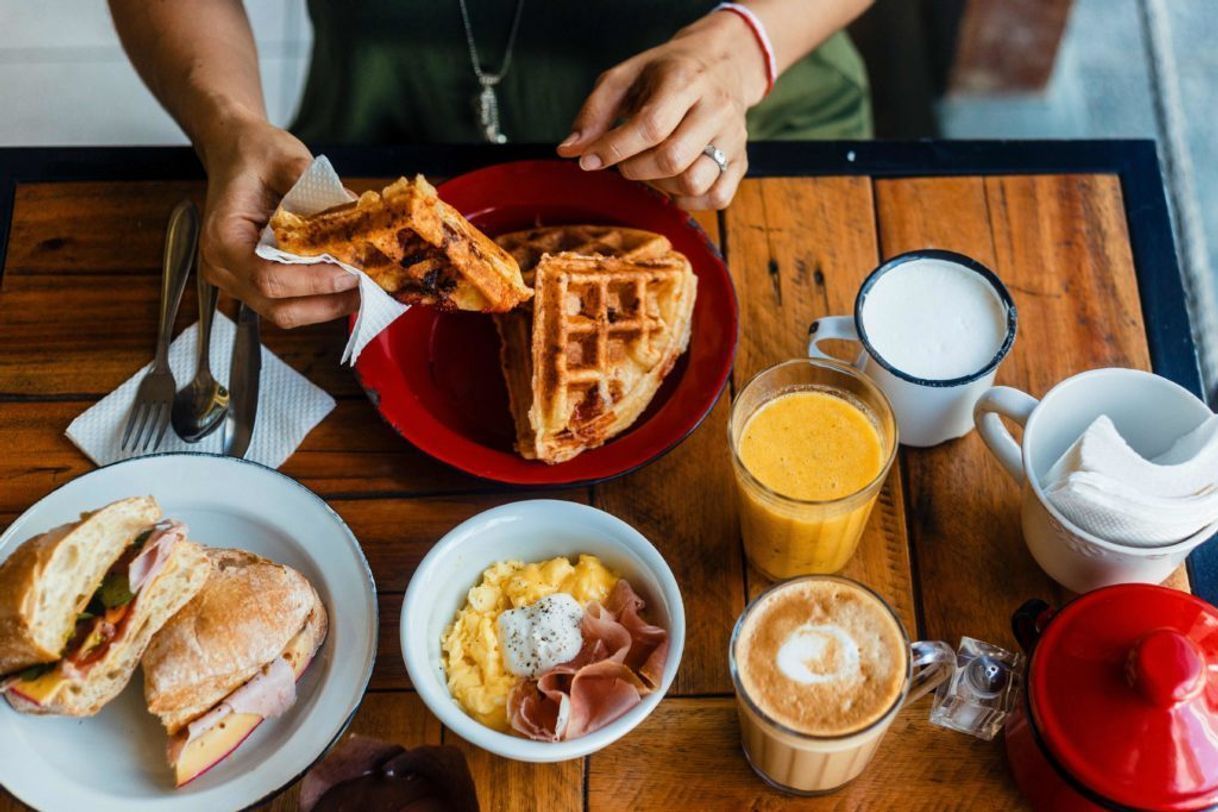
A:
(537, 637)
(818, 653)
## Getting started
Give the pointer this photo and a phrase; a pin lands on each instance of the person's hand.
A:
(250, 166)
(676, 99)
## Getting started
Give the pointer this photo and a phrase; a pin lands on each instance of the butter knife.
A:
(244, 375)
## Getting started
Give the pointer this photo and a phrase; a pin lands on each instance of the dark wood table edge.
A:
(1134, 161)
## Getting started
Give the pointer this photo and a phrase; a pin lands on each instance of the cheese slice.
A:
(204, 752)
(211, 747)
(40, 690)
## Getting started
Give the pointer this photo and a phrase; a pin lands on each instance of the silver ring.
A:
(717, 155)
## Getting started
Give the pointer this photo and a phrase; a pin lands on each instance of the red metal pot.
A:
(1120, 708)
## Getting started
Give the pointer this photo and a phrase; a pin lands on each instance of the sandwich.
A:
(80, 603)
(418, 248)
(231, 658)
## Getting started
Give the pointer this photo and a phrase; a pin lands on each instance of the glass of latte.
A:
(821, 667)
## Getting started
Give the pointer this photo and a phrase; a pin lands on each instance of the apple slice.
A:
(212, 747)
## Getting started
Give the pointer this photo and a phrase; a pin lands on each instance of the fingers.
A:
(665, 92)
(289, 313)
(600, 109)
(698, 179)
(287, 295)
(721, 191)
(252, 275)
(286, 312)
(680, 151)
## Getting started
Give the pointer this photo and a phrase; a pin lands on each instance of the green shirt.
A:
(400, 72)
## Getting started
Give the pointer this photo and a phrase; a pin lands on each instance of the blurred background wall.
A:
(65, 80)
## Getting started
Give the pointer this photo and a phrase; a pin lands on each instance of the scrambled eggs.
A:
(478, 678)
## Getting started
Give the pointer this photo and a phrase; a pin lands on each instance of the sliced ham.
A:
(649, 644)
(268, 694)
(155, 553)
(621, 661)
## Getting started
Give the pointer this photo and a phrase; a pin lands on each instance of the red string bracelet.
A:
(763, 39)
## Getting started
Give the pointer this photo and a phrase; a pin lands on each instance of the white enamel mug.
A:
(928, 411)
(1149, 411)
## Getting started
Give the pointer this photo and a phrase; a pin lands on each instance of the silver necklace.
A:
(487, 102)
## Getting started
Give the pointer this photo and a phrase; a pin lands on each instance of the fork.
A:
(154, 399)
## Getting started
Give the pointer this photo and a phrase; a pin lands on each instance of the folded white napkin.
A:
(320, 188)
(289, 405)
(1110, 490)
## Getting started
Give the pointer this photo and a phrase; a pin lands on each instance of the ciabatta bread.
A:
(48, 580)
(242, 619)
(183, 575)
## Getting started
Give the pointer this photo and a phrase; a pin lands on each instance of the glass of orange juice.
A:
(812, 441)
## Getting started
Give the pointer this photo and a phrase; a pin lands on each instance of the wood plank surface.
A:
(697, 531)
(687, 755)
(798, 248)
(78, 299)
(351, 452)
(964, 509)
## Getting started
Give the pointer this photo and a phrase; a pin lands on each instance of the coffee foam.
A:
(815, 653)
(822, 657)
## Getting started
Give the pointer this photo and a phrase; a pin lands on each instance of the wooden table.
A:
(1078, 231)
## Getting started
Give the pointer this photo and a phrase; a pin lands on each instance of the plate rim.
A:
(523, 482)
(376, 609)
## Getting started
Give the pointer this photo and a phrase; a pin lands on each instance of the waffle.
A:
(602, 334)
(528, 247)
(414, 245)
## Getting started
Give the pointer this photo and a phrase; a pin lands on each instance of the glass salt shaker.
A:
(986, 685)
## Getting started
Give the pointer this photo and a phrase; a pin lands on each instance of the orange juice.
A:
(812, 446)
(814, 459)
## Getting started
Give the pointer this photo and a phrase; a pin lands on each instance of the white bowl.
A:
(530, 531)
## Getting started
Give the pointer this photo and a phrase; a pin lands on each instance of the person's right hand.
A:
(250, 166)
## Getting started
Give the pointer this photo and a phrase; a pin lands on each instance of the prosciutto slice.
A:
(621, 661)
(155, 553)
(268, 694)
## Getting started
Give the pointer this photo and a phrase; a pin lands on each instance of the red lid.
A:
(1124, 691)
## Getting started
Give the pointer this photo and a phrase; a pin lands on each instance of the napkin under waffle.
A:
(415, 246)
(603, 331)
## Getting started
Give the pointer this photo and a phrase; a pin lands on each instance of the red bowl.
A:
(435, 376)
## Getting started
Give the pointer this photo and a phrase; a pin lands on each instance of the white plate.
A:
(116, 760)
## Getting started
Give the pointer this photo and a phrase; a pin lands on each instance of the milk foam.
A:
(810, 648)
(934, 319)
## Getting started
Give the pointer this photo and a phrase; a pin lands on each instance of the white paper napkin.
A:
(289, 405)
(1107, 488)
(320, 188)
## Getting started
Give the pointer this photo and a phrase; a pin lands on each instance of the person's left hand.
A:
(674, 100)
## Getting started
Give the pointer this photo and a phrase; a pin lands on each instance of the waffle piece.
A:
(516, 360)
(516, 328)
(529, 246)
(605, 333)
(415, 246)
